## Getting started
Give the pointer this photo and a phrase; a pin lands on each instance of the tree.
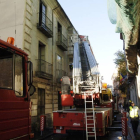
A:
(120, 62)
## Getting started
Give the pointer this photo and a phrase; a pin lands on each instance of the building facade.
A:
(43, 30)
(115, 83)
(127, 21)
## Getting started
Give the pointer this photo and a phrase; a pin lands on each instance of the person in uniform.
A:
(133, 113)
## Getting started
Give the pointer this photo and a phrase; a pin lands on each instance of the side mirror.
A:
(30, 73)
(31, 90)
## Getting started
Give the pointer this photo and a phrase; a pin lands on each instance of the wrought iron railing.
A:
(43, 66)
(60, 73)
(70, 50)
(61, 39)
(45, 23)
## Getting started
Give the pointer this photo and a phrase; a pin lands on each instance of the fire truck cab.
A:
(15, 90)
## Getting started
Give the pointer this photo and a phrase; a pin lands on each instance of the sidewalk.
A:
(46, 133)
(130, 131)
(131, 135)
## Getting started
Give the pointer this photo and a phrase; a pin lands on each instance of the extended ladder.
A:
(90, 116)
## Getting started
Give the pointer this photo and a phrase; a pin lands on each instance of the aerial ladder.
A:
(87, 110)
(86, 82)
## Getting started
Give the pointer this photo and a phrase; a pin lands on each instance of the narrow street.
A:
(64, 72)
(113, 135)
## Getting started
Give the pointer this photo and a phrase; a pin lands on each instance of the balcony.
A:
(44, 69)
(45, 25)
(60, 74)
(62, 42)
(70, 51)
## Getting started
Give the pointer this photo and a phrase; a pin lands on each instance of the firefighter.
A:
(133, 113)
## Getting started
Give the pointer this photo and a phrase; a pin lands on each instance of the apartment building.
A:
(115, 82)
(43, 30)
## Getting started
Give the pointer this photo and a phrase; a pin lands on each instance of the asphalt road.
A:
(113, 135)
(81, 136)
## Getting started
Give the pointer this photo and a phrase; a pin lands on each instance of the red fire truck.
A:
(15, 90)
(93, 107)
(74, 119)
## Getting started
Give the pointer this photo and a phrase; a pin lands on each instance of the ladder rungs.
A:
(90, 127)
(88, 88)
(89, 113)
(91, 135)
(88, 101)
(89, 116)
(90, 124)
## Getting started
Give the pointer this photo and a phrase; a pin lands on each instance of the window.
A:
(41, 101)
(59, 66)
(41, 57)
(18, 75)
(59, 30)
(42, 13)
(41, 51)
(59, 62)
(6, 73)
(11, 72)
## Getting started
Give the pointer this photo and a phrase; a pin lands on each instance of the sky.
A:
(90, 18)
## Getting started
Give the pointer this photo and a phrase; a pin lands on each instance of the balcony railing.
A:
(44, 69)
(70, 51)
(60, 74)
(45, 25)
(62, 42)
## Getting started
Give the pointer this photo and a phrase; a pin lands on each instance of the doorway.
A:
(41, 101)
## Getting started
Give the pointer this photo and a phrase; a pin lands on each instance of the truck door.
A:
(15, 117)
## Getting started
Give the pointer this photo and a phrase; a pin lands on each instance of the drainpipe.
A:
(52, 58)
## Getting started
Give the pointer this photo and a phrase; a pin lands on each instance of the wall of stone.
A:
(12, 20)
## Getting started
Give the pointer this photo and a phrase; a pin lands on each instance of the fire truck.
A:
(92, 100)
(16, 77)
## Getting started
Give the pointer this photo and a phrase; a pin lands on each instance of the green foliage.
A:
(120, 62)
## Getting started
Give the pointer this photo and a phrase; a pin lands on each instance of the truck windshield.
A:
(18, 75)
(6, 72)
(11, 71)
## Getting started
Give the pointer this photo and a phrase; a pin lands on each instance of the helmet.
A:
(130, 101)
